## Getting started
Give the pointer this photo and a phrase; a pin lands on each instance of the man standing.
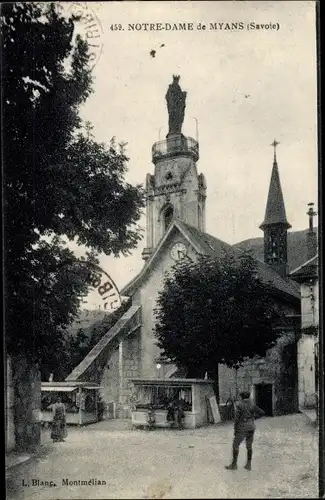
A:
(244, 428)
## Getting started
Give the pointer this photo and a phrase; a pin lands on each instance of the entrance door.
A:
(263, 398)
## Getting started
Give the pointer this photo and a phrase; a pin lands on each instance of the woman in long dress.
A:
(59, 426)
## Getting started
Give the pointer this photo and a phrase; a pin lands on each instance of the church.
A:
(176, 230)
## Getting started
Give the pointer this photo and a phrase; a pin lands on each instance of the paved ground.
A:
(173, 464)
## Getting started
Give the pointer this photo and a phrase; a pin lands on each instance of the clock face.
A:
(178, 251)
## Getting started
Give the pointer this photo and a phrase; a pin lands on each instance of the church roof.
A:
(306, 271)
(209, 244)
(275, 212)
(284, 285)
(206, 244)
(108, 341)
(213, 246)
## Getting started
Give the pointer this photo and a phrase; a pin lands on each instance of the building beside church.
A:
(175, 230)
(307, 277)
(272, 381)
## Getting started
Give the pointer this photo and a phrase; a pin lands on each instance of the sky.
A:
(274, 68)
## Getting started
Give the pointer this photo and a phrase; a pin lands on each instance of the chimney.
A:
(311, 235)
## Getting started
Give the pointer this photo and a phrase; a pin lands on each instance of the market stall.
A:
(153, 397)
(80, 400)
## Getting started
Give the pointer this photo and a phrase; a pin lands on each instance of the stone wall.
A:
(278, 368)
(201, 394)
(309, 305)
(123, 365)
(109, 391)
(131, 369)
(286, 385)
(307, 344)
(227, 383)
(306, 371)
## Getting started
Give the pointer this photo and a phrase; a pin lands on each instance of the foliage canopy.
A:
(216, 310)
(58, 182)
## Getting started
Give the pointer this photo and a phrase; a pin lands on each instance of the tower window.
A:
(200, 217)
(168, 215)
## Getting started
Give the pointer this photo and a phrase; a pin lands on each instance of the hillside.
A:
(297, 248)
(87, 319)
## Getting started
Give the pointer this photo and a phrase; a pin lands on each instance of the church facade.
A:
(175, 230)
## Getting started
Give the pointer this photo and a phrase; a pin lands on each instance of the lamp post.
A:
(158, 366)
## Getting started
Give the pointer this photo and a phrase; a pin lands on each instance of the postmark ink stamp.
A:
(89, 28)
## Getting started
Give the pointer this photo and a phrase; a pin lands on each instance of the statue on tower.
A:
(175, 98)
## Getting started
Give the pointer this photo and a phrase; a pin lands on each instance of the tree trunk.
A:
(27, 402)
(9, 406)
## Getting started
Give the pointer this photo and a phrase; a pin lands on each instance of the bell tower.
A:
(275, 225)
(175, 190)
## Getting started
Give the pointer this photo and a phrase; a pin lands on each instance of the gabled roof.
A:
(269, 275)
(176, 224)
(265, 271)
(206, 244)
(104, 344)
(275, 212)
(306, 271)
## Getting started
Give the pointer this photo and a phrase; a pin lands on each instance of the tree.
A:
(58, 183)
(215, 310)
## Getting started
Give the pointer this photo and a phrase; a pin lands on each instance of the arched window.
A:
(168, 215)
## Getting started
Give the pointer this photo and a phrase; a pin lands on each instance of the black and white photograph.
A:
(162, 334)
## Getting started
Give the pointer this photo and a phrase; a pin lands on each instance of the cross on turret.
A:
(275, 143)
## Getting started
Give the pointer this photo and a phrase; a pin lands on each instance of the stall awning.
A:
(58, 389)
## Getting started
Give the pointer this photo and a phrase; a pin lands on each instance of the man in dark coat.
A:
(244, 429)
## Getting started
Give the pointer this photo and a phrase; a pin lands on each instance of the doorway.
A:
(264, 398)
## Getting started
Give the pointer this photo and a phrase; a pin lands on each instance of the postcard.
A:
(161, 250)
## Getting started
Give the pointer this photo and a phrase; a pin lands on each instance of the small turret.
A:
(275, 224)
